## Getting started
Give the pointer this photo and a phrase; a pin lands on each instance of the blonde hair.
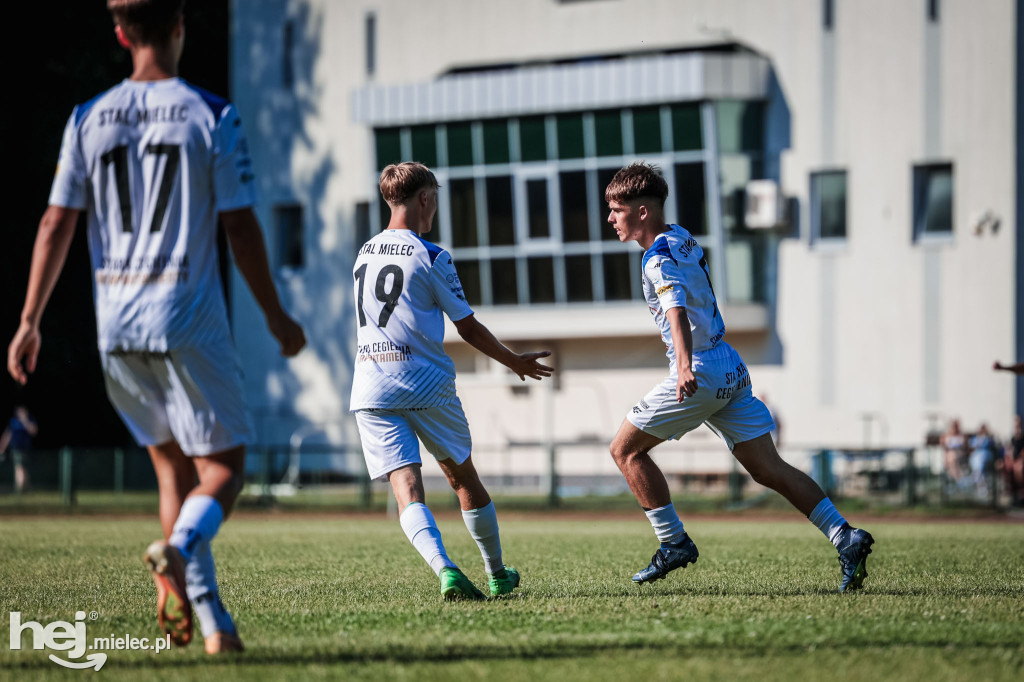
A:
(399, 182)
(637, 180)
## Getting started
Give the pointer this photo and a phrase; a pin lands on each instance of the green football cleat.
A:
(456, 586)
(503, 581)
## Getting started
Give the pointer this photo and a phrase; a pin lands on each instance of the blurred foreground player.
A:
(403, 388)
(154, 161)
(708, 384)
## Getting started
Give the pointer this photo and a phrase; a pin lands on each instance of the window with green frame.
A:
(552, 244)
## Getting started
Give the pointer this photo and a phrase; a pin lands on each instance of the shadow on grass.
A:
(557, 650)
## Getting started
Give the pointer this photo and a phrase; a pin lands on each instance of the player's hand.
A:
(686, 384)
(24, 346)
(526, 365)
(288, 334)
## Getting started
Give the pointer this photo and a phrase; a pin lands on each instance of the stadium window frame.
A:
(816, 206)
(289, 236)
(922, 174)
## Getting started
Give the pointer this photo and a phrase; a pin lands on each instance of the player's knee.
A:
(624, 455)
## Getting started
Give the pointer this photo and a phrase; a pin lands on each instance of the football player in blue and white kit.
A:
(155, 162)
(708, 383)
(403, 388)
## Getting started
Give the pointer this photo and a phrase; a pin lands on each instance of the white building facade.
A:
(870, 296)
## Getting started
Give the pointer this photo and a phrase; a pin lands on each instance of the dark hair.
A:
(637, 180)
(146, 22)
(399, 182)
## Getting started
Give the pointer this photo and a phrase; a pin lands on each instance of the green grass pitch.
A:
(347, 597)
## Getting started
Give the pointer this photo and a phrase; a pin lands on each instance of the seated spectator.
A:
(1013, 464)
(954, 448)
(982, 458)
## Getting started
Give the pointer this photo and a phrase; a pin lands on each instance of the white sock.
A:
(828, 520)
(201, 586)
(667, 525)
(419, 526)
(198, 521)
(483, 526)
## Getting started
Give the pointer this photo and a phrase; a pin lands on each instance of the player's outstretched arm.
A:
(1017, 368)
(56, 229)
(682, 340)
(250, 251)
(481, 338)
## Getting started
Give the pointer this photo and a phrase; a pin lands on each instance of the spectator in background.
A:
(982, 458)
(1017, 368)
(19, 434)
(954, 448)
(1013, 464)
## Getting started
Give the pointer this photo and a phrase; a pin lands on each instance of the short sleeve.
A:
(667, 278)
(234, 182)
(447, 289)
(70, 187)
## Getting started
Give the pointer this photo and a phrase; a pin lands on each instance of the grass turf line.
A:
(321, 598)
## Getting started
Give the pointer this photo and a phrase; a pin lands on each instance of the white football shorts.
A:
(724, 401)
(391, 438)
(191, 396)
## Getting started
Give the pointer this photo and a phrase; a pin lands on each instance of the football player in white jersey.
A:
(403, 388)
(155, 162)
(708, 383)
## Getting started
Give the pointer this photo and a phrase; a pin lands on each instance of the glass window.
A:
(288, 225)
(496, 141)
(463, 201)
(542, 279)
(533, 139)
(383, 213)
(574, 206)
(469, 274)
(617, 280)
(500, 228)
(424, 145)
(460, 144)
(933, 200)
(537, 208)
(690, 197)
(647, 130)
(504, 281)
(578, 282)
(687, 133)
(608, 131)
(828, 205)
(740, 126)
(389, 147)
(570, 136)
(604, 178)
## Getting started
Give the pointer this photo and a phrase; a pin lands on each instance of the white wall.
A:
(864, 345)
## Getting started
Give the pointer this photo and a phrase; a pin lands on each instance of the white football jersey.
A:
(152, 163)
(676, 275)
(404, 285)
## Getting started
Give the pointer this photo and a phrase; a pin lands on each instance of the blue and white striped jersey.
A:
(676, 275)
(404, 285)
(152, 163)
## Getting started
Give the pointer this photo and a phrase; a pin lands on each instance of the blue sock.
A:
(667, 525)
(198, 521)
(828, 520)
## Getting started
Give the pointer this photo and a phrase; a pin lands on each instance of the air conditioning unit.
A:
(762, 204)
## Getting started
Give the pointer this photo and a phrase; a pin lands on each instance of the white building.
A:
(872, 312)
